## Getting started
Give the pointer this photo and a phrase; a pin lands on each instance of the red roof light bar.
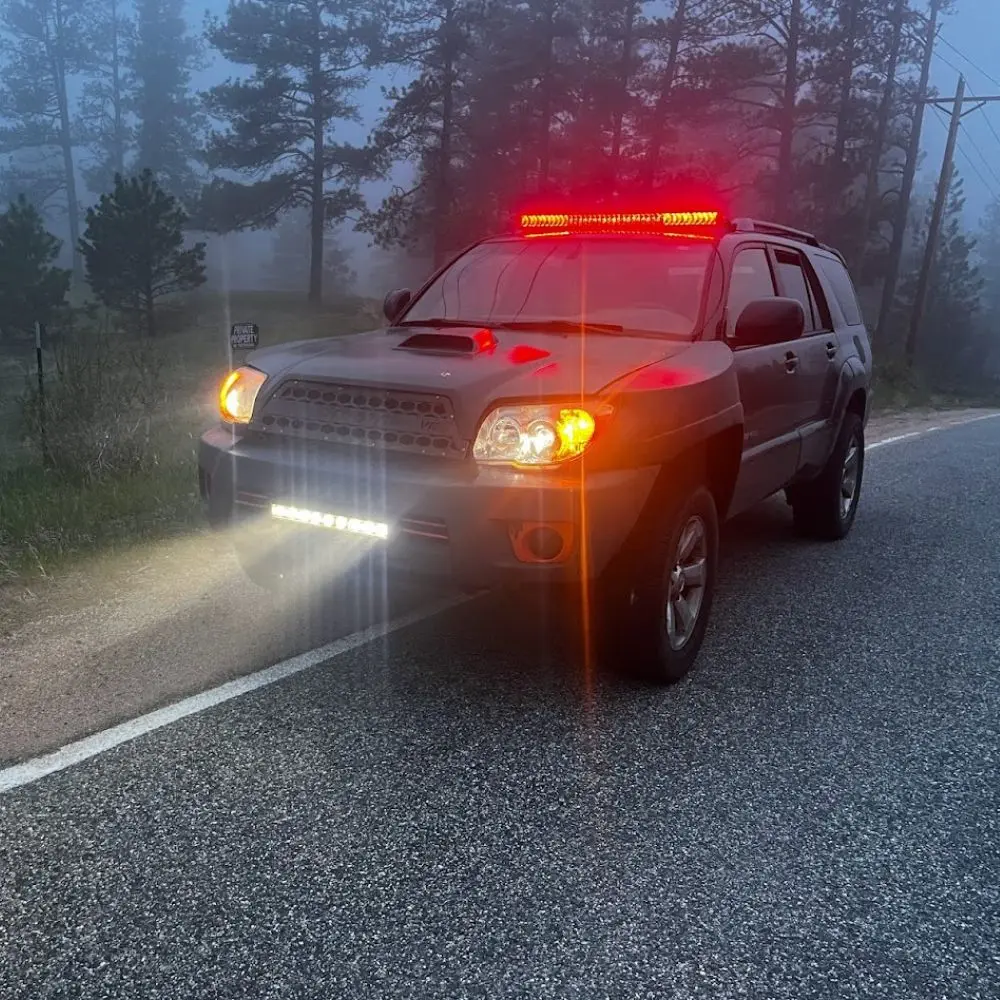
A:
(666, 223)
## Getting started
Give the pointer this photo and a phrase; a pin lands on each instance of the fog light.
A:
(541, 542)
(544, 543)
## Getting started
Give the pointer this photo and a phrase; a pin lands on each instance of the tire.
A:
(642, 621)
(821, 509)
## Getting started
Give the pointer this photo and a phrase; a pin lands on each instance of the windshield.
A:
(639, 284)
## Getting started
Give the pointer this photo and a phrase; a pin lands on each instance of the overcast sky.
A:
(968, 44)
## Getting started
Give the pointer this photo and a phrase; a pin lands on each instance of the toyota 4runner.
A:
(581, 401)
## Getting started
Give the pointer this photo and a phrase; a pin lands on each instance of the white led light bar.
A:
(338, 522)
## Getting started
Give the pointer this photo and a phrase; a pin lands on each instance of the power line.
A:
(978, 69)
(986, 119)
(975, 169)
(989, 125)
(947, 62)
(962, 55)
(986, 163)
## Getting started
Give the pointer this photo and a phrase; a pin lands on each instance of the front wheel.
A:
(825, 508)
(660, 607)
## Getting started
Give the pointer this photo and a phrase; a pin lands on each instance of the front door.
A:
(768, 381)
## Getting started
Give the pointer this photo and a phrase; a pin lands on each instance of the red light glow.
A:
(524, 354)
(665, 223)
(484, 340)
(662, 378)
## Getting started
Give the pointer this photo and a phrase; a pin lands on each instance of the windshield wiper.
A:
(560, 326)
(440, 321)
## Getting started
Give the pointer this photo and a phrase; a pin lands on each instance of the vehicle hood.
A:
(520, 364)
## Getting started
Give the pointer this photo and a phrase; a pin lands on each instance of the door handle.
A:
(791, 362)
(831, 350)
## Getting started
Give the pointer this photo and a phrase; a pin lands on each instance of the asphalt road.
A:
(466, 809)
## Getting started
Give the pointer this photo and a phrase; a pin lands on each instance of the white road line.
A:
(894, 440)
(929, 430)
(74, 753)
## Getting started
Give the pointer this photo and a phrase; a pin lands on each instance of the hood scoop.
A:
(437, 342)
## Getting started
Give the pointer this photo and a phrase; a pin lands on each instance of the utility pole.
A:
(940, 201)
(909, 173)
(937, 215)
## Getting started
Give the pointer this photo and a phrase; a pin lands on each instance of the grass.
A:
(895, 389)
(48, 521)
(124, 422)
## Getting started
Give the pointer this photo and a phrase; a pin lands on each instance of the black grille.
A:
(414, 422)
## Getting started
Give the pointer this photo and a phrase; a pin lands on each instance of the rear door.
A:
(768, 381)
(820, 358)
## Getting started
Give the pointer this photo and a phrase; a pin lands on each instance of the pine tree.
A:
(861, 90)
(689, 124)
(554, 30)
(134, 249)
(886, 107)
(168, 122)
(989, 257)
(946, 353)
(31, 286)
(309, 59)
(32, 175)
(45, 44)
(613, 53)
(290, 256)
(105, 116)
(783, 31)
(424, 124)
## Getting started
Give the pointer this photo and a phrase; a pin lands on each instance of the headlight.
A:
(238, 393)
(533, 435)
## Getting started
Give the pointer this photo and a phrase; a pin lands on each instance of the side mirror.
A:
(770, 321)
(395, 302)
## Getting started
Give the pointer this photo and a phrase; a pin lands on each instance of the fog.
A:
(967, 44)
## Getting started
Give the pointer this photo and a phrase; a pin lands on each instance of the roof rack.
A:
(773, 229)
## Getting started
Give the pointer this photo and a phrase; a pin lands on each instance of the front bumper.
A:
(451, 518)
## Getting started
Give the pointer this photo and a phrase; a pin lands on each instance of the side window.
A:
(749, 279)
(794, 283)
(843, 289)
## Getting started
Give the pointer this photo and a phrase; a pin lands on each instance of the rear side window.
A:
(749, 279)
(843, 289)
(795, 284)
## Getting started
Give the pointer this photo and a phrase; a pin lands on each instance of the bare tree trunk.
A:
(545, 125)
(625, 75)
(789, 101)
(149, 311)
(906, 188)
(849, 18)
(118, 139)
(443, 194)
(881, 130)
(317, 218)
(57, 56)
(659, 124)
